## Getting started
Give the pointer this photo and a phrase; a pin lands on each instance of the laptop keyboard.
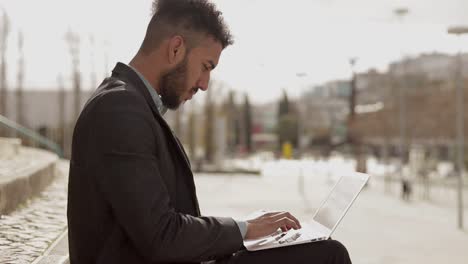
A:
(286, 237)
(290, 239)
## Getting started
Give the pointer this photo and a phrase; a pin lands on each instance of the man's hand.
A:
(268, 223)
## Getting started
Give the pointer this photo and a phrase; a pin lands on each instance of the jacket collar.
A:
(127, 74)
(154, 95)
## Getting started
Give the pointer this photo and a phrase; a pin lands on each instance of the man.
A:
(132, 196)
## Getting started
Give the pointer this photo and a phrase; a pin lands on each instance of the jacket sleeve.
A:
(131, 183)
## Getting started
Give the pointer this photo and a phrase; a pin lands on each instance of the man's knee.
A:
(337, 250)
(336, 246)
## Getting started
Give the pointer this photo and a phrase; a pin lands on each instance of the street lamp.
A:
(352, 98)
(353, 137)
(458, 31)
(401, 13)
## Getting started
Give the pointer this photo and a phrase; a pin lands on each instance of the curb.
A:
(57, 253)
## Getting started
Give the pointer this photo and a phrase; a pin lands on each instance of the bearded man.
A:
(131, 194)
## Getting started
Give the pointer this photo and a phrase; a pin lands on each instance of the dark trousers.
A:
(324, 252)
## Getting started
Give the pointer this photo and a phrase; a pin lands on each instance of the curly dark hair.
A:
(188, 18)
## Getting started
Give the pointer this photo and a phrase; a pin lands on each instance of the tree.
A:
(192, 132)
(247, 112)
(288, 129)
(4, 32)
(237, 132)
(209, 127)
(283, 105)
(288, 123)
(230, 111)
(178, 122)
(93, 76)
(61, 106)
(73, 40)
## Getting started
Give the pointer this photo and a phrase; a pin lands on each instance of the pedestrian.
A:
(405, 189)
(131, 196)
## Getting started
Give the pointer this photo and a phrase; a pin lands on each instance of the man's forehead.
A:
(209, 48)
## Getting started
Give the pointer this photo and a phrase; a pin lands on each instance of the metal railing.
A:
(32, 135)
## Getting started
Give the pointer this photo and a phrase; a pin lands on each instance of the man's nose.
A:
(203, 82)
(203, 87)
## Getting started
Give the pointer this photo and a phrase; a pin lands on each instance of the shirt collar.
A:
(154, 95)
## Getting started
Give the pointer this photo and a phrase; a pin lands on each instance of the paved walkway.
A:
(27, 232)
(378, 229)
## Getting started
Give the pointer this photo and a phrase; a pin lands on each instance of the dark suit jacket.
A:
(131, 193)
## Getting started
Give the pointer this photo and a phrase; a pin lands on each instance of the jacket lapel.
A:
(122, 70)
(179, 144)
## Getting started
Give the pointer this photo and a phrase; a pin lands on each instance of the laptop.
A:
(325, 220)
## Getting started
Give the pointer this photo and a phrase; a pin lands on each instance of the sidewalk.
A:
(379, 228)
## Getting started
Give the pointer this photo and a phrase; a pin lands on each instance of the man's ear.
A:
(177, 50)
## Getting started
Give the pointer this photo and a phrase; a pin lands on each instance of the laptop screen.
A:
(339, 199)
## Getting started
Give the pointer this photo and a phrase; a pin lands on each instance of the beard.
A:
(172, 85)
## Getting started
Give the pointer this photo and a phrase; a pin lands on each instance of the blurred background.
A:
(311, 90)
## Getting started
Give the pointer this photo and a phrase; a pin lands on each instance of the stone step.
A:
(24, 175)
(9, 147)
(33, 228)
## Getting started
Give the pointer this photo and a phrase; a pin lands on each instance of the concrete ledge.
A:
(213, 169)
(24, 176)
(57, 253)
(229, 172)
(9, 147)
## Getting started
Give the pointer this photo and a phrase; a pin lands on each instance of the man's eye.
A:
(205, 68)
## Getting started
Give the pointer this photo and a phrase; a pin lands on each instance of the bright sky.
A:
(275, 40)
